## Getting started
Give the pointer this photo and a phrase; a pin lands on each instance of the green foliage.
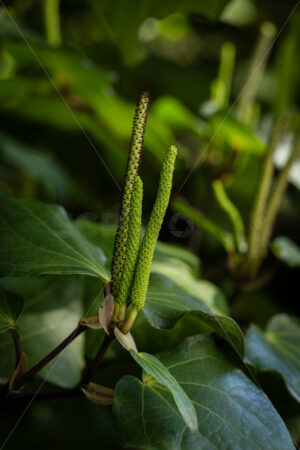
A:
(212, 296)
(277, 349)
(39, 239)
(11, 306)
(52, 307)
(158, 373)
(126, 31)
(287, 251)
(147, 416)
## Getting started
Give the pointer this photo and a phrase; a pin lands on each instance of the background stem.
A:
(52, 22)
(260, 201)
(277, 196)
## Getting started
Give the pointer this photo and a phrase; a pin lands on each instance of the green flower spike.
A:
(133, 163)
(142, 273)
(132, 248)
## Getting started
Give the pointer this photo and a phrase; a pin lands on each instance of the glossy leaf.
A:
(232, 412)
(277, 349)
(39, 239)
(52, 309)
(173, 294)
(154, 367)
(11, 306)
(287, 251)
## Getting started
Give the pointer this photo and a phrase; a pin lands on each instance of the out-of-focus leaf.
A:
(52, 309)
(11, 306)
(125, 31)
(39, 239)
(287, 251)
(171, 111)
(36, 163)
(277, 349)
(282, 153)
(225, 238)
(169, 254)
(86, 89)
(155, 368)
(237, 135)
(231, 410)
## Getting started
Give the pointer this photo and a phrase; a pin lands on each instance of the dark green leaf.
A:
(232, 412)
(287, 251)
(38, 164)
(52, 309)
(157, 370)
(11, 306)
(173, 293)
(38, 239)
(277, 349)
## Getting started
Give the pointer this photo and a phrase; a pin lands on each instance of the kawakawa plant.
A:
(191, 396)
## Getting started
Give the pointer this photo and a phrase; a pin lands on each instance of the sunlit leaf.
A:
(52, 309)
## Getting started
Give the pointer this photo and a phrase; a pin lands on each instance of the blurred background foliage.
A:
(217, 71)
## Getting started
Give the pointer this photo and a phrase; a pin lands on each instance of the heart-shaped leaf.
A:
(39, 239)
(52, 308)
(277, 349)
(232, 412)
(157, 370)
(11, 306)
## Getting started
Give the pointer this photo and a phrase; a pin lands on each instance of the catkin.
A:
(137, 139)
(133, 240)
(142, 273)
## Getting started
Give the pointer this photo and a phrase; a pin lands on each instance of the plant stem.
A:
(97, 360)
(222, 85)
(18, 346)
(52, 22)
(35, 369)
(106, 289)
(130, 321)
(258, 63)
(260, 200)
(277, 195)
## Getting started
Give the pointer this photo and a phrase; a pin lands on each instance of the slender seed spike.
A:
(142, 273)
(134, 157)
(133, 240)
